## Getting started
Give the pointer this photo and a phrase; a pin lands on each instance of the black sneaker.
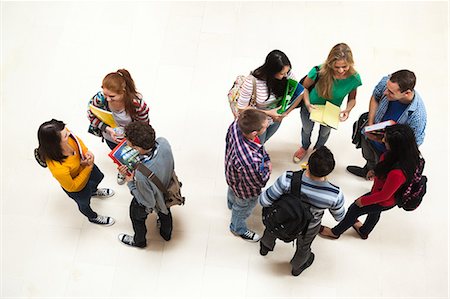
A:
(263, 250)
(103, 220)
(250, 236)
(297, 272)
(358, 171)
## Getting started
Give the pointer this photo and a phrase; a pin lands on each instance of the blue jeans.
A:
(308, 126)
(241, 209)
(269, 132)
(83, 197)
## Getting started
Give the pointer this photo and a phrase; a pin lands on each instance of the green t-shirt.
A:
(341, 88)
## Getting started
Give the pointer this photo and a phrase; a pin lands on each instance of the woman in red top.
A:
(396, 167)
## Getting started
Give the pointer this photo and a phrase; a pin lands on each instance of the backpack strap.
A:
(296, 183)
(296, 189)
(152, 177)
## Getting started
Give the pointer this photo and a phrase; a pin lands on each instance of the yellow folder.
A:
(103, 115)
(327, 114)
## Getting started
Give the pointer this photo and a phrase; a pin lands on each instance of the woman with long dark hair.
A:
(335, 79)
(271, 80)
(119, 97)
(395, 169)
(72, 165)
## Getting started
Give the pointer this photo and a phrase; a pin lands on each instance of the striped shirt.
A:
(100, 101)
(246, 164)
(262, 91)
(321, 196)
(414, 115)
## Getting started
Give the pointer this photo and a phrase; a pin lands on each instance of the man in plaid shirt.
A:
(247, 169)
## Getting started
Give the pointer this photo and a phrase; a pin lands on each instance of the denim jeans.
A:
(308, 126)
(83, 197)
(138, 215)
(269, 132)
(241, 209)
(303, 251)
(373, 216)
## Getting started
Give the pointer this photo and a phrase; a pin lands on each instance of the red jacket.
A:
(383, 190)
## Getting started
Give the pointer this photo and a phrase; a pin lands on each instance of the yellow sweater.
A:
(70, 174)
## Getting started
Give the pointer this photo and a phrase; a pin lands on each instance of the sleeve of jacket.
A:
(98, 100)
(142, 190)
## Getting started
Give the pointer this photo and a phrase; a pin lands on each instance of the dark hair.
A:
(251, 120)
(121, 82)
(405, 80)
(140, 134)
(49, 137)
(321, 162)
(403, 152)
(275, 61)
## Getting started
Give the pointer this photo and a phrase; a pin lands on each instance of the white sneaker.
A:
(103, 220)
(103, 192)
(249, 236)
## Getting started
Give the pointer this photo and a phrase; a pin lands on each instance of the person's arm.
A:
(281, 186)
(351, 102)
(338, 210)
(141, 188)
(61, 173)
(308, 82)
(394, 180)
(373, 106)
(142, 110)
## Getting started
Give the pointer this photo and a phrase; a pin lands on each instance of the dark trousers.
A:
(111, 144)
(373, 216)
(138, 215)
(369, 153)
(303, 251)
(83, 197)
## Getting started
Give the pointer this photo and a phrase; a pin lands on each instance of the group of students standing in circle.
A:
(391, 159)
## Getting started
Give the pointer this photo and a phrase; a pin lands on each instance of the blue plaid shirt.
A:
(414, 115)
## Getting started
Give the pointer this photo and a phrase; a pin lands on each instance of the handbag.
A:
(172, 194)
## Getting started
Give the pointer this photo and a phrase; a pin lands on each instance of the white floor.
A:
(184, 57)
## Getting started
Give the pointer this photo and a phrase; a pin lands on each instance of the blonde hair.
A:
(121, 82)
(324, 86)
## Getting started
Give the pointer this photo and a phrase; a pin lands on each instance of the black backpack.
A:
(315, 81)
(289, 216)
(410, 196)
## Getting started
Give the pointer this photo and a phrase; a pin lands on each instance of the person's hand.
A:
(123, 169)
(278, 118)
(88, 159)
(374, 137)
(370, 175)
(310, 107)
(343, 116)
(273, 113)
(112, 133)
(358, 202)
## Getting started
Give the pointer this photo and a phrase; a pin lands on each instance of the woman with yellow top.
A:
(72, 164)
(331, 82)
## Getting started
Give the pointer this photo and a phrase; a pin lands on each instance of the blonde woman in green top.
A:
(336, 79)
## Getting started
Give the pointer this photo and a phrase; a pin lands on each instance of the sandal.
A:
(356, 228)
(326, 235)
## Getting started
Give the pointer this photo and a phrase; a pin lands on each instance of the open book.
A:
(122, 154)
(293, 90)
(103, 115)
(327, 114)
(379, 127)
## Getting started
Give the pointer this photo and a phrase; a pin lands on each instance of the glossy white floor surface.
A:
(184, 57)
